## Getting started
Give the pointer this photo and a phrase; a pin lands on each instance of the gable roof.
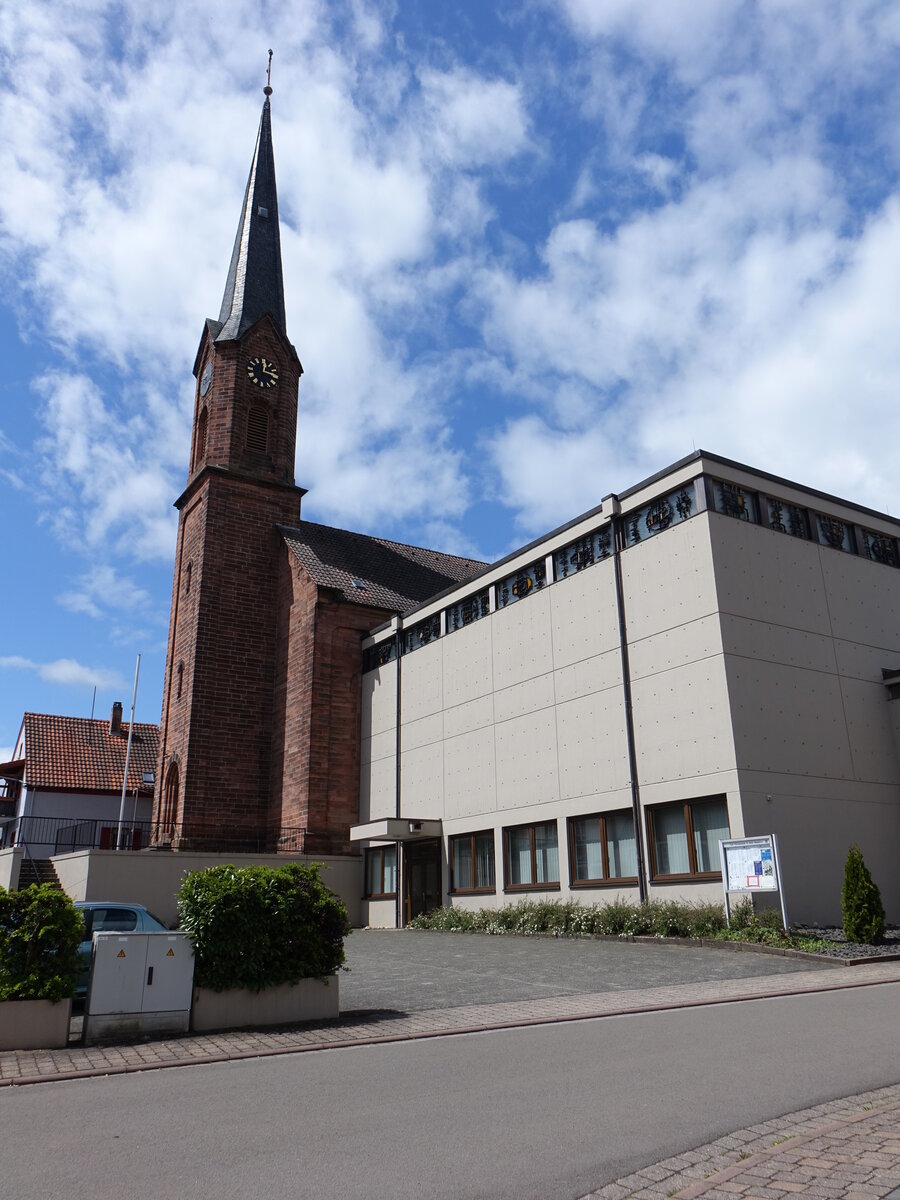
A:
(80, 754)
(392, 575)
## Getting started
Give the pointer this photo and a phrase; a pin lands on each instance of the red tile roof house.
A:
(62, 790)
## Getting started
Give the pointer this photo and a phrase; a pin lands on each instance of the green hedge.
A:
(40, 931)
(260, 927)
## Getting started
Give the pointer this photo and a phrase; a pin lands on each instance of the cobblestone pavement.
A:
(847, 1148)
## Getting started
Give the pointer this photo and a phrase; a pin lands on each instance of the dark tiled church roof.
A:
(79, 754)
(393, 576)
(255, 284)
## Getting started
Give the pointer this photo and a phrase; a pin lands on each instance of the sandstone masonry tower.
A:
(219, 683)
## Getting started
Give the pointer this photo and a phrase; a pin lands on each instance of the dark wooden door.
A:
(421, 877)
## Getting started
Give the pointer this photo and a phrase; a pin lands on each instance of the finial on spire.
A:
(268, 88)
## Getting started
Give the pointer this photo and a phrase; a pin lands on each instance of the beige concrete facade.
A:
(758, 619)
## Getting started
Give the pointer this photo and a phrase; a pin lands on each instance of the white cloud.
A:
(472, 121)
(102, 591)
(65, 671)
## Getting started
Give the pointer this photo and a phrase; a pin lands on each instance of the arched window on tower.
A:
(170, 798)
(258, 429)
(200, 444)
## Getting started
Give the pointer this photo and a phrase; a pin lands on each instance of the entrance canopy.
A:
(395, 829)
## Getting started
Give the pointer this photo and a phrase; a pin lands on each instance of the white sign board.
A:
(751, 865)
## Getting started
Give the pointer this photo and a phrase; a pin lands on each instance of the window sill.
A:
(707, 877)
(381, 896)
(482, 891)
(625, 881)
(532, 887)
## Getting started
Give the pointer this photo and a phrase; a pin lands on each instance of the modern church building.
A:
(713, 653)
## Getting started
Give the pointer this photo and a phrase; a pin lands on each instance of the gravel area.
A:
(889, 948)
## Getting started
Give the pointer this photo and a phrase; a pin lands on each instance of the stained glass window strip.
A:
(380, 655)
(590, 549)
(472, 608)
(787, 518)
(880, 548)
(660, 514)
(523, 583)
(734, 501)
(421, 634)
(834, 533)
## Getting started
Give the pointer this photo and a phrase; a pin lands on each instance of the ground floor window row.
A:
(683, 840)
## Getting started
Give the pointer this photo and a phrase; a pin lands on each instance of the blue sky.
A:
(533, 251)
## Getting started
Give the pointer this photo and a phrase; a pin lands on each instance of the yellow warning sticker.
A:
(170, 953)
(121, 954)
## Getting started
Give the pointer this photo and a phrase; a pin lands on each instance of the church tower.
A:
(218, 687)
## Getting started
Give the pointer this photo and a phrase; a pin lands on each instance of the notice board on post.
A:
(751, 865)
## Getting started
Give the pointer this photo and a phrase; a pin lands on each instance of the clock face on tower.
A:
(263, 372)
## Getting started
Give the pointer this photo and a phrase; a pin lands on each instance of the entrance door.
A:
(422, 877)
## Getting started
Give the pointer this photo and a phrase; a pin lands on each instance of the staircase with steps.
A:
(37, 870)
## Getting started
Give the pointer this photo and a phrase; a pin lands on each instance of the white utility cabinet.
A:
(140, 983)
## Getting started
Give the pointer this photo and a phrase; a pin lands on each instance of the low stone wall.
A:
(10, 864)
(308, 1000)
(34, 1024)
(153, 877)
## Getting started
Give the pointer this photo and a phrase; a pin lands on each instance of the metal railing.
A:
(43, 837)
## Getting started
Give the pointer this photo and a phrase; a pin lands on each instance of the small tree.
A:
(40, 931)
(259, 927)
(861, 906)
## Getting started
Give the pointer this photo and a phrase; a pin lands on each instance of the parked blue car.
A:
(109, 916)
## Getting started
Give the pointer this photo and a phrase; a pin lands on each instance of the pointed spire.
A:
(255, 283)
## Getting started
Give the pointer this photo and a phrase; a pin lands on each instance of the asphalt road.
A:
(547, 1112)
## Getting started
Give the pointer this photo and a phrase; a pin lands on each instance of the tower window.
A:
(188, 572)
(180, 681)
(258, 430)
(200, 445)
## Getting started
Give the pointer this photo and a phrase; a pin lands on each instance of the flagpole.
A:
(137, 671)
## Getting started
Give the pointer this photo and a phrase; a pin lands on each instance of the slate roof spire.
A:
(255, 282)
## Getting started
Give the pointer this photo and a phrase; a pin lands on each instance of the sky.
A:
(534, 251)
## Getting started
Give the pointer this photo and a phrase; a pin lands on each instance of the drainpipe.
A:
(398, 638)
(618, 544)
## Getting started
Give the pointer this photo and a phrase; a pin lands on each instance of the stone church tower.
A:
(220, 664)
(259, 736)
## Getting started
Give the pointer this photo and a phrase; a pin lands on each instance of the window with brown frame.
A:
(602, 849)
(684, 838)
(381, 873)
(472, 863)
(531, 854)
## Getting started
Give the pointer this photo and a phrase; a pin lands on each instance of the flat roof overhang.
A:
(395, 829)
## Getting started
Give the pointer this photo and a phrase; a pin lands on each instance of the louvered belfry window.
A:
(258, 430)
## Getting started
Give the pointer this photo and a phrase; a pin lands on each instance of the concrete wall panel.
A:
(592, 675)
(422, 674)
(377, 790)
(593, 752)
(674, 647)
(422, 782)
(863, 599)
(584, 620)
(469, 778)
(777, 643)
(522, 641)
(682, 723)
(668, 580)
(379, 699)
(467, 663)
(526, 760)
(517, 701)
(788, 720)
(476, 714)
(421, 732)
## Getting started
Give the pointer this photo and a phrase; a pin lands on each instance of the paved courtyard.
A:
(416, 970)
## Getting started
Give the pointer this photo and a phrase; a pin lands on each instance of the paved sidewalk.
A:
(849, 1148)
